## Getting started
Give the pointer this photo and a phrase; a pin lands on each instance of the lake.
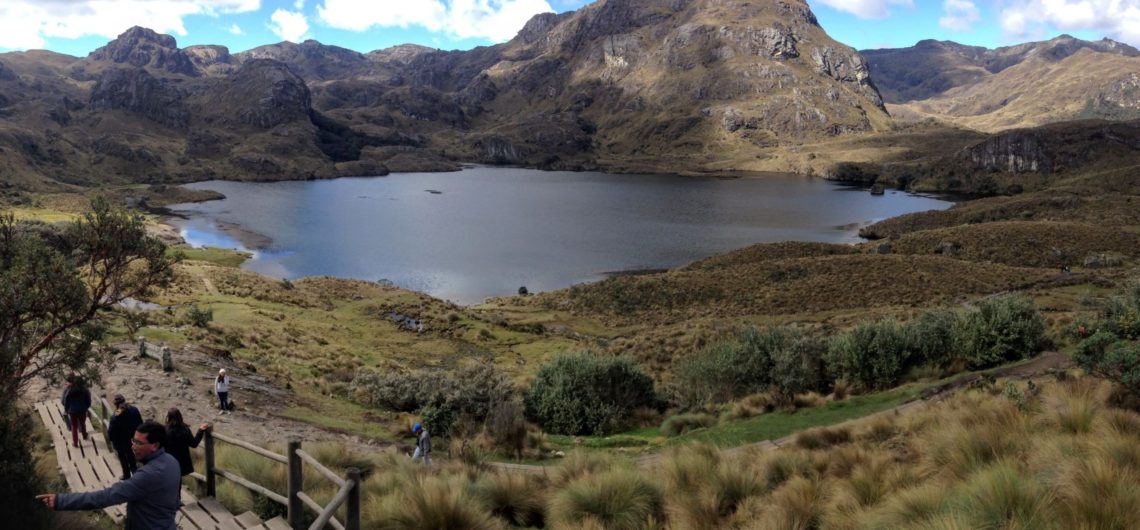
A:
(484, 231)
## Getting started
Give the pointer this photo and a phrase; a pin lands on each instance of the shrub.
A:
(798, 366)
(873, 355)
(683, 423)
(471, 391)
(932, 338)
(20, 484)
(1104, 355)
(507, 427)
(586, 393)
(1003, 329)
(200, 318)
(749, 362)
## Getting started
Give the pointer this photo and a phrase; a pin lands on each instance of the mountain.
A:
(624, 85)
(1013, 87)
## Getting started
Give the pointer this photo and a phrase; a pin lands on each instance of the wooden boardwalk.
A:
(94, 466)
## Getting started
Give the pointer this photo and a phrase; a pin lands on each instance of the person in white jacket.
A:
(222, 389)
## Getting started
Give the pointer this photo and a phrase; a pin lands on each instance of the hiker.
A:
(76, 401)
(179, 440)
(222, 388)
(122, 427)
(423, 444)
(153, 495)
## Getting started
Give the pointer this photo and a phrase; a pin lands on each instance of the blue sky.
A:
(76, 27)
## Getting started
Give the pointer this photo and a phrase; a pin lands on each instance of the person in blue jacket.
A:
(153, 495)
(122, 427)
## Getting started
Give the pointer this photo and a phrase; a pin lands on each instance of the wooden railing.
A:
(296, 501)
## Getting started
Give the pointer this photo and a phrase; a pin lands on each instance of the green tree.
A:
(54, 292)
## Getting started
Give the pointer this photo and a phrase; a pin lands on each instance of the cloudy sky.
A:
(78, 26)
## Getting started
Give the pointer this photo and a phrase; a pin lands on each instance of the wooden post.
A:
(352, 511)
(296, 508)
(211, 478)
(106, 422)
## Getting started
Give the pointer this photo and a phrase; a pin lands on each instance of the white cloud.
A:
(234, 29)
(496, 20)
(961, 15)
(1119, 19)
(867, 9)
(288, 25)
(27, 24)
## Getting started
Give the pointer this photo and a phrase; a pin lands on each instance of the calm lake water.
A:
(484, 232)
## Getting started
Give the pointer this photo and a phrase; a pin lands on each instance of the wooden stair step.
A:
(248, 520)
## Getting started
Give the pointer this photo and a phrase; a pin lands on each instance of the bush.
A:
(683, 423)
(200, 318)
(1103, 354)
(932, 338)
(20, 484)
(798, 366)
(585, 393)
(874, 355)
(749, 362)
(472, 391)
(1003, 329)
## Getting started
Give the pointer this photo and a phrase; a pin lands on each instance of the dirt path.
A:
(190, 388)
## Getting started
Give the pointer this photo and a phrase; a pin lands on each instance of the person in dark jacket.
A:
(153, 495)
(123, 424)
(76, 401)
(179, 440)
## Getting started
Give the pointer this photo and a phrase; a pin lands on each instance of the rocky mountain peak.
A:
(271, 94)
(144, 48)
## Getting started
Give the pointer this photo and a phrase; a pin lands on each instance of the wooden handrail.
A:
(320, 468)
(296, 500)
(317, 508)
(269, 494)
(333, 505)
(250, 447)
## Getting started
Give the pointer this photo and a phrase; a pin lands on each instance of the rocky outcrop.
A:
(311, 59)
(136, 91)
(143, 47)
(213, 59)
(1017, 152)
(269, 93)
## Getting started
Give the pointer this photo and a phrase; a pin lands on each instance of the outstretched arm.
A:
(120, 492)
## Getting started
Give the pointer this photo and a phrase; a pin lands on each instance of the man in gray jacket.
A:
(153, 494)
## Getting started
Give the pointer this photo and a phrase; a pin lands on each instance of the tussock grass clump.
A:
(517, 499)
(1001, 496)
(800, 503)
(620, 499)
(578, 464)
(1098, 493)
(682, 423)
(705, 487)
(911, 507)
(431, 502)
(823, 437)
